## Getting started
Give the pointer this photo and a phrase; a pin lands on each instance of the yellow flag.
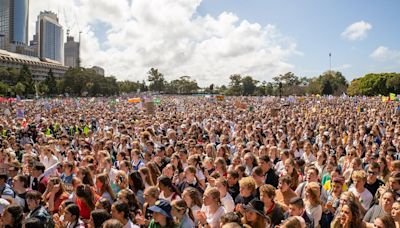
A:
(385, 99)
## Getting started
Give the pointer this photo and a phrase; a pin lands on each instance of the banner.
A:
(220, 97)
(134, 100)
(392, 96)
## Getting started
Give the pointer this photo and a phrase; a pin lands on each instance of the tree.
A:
(374, 84)
(51, 83)
(249, 85)
(156, 79)
(4, 89)
(183, 85)
(327, 88)
(19, 88)
(235, 85)
(25, 77)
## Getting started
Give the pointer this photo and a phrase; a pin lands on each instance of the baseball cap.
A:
(163, 207)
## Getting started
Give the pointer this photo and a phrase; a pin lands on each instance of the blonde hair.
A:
(248, 182)
(359, 175)
(214, 193)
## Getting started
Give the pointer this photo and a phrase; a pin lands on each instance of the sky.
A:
(210, 40)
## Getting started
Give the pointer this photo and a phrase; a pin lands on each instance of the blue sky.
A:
(316, 27)
(211, 39)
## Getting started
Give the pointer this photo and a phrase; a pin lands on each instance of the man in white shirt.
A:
(359, 178)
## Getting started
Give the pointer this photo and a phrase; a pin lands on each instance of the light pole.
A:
(330, 62)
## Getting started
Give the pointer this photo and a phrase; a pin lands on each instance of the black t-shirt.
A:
(374, 187)
(243, 200)
(234, 190)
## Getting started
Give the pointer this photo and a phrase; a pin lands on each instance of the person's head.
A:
(179, 208)
(313, 193)
(151, 194)
(373, 172)
(37, 169)
(396, 211)
(12, 216)
(384, 221)
(265, 163)
(222, 185)
(112, 223)
(161, 212)
(85, 193)
(232, 177)
(294, 222)
(359, 178)
(394, 181)
(192, 197)
(350, 213)
(20, 182)
(136, 182)
(71, 213)
(387, 200)
(33, 199)
(230, 217)
(254, 213)
(120, 211)
(296, 206)
(128, 196)
(103, 203)
(190, 173)
(312, 174)
(98, 217)
(247, 186)
(284, 183)
(258, 175)
(32, 222)
(267, 193)
(211, 196)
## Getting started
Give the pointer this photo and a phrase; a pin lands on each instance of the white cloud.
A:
(170, 35)
(383, 54)
(356, 31)
(343, 67)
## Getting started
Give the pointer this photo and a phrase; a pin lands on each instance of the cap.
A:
(163, 207)
(256, 206)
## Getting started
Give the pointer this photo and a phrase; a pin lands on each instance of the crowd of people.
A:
(200, 162)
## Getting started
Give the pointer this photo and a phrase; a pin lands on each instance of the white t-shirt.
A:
(365, 197)
(315, 212)
(213, 219)
(228, 203)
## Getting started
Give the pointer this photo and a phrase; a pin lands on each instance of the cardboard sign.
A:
(150, 109)
(220, 98)
(274, 112)
(20, 113)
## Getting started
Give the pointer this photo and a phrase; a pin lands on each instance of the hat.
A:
(255, 205)
(3, 204)
(163, 207)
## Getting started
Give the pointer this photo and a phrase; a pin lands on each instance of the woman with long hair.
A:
(104, 188)
(12, 216)
(137, 186)
(151, 195)
(146, 177)
(71, 217)
(384, 171)
(182, 213)
(86, 200)
(312, 202)
(98, 217)
(254, 215)
(167, 190)
(290, 170)
(190, 180)
(212, 210)
(193, 199)
(221, 167)
(55, 194)
(154, 171)
(120, 211)
(85, 175)
(349, 216)
(128, 196)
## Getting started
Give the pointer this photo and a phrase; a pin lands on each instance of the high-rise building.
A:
(14, 15)
(71, 52)
(50, 37)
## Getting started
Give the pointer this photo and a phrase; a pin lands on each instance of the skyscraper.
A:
(14, 24)
(50, 37)
(71, 52)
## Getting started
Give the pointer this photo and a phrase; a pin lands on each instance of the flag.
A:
(392, 96)
(385, 99)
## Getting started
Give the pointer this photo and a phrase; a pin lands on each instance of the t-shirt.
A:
(365, 197)
(213, 219)
(374, 187)
(228, 203)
